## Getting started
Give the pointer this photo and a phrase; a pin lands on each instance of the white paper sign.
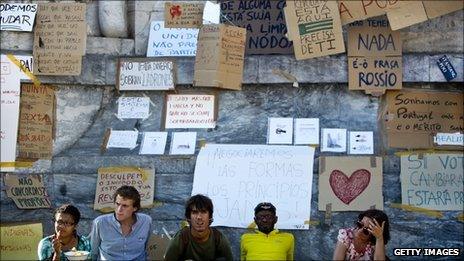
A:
(133, 107)
(148, 74)
(122, 139)
(183, 143)
(238, 177)
(280, 131)
(306, 131)
(17, 17)
(211, 13)
(188, 111)
(361, 142)
(456, 139)
(164, 42)
(10, 77)
(153, 143)
(333, 140)
(434, 181)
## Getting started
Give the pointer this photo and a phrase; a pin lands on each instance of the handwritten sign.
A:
(412, 117)
(265, 24)
(190, 111)
(238, 177)
(59, 38)
(315, 28)
(122, 139)
(434, 181)
(36, 121)
(17, 17)
(183, 14)
(350, 183)
(10, 77)
(374, 56)
(133, 107)
(220, 58)
(111, 178)
(28, 192)
(440, 7)
(354, 10)
(20, 241)
(146, 74)
(164, 42)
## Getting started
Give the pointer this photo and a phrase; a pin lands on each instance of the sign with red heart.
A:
(350, 183)
(348, 188)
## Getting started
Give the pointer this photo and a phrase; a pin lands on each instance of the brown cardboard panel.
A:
(27, 192)
(354, 10)
(315, 28)
(375, 73)
(265, 24)
(350, 183)
(157, 246)
(36, 120)
(111, 178)
(183, 14)
(220, 57)
(413, 117)
(406, 13)
(438, 8)
(373, 37)
(60, 38)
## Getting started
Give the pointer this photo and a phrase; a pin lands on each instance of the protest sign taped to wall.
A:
(147, 74)
(433, 181)
(183, 14)
(109, 179)
(27, 191)
(238, 177)
(314, 27)
(412, 118)
(19, 241)
(17, 16)
(265, 24)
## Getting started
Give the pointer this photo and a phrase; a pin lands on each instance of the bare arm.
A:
(339, 252)
(377, 231)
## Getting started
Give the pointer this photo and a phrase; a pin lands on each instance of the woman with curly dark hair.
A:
(65, 237)
(367, 240)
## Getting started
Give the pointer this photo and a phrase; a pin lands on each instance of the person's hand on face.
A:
(265, 220)
(56, 242)
(199, 219)
(375, 229)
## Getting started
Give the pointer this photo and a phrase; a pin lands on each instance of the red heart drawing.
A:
(347, 189)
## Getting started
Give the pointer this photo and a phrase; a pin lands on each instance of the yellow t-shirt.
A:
(259, 246)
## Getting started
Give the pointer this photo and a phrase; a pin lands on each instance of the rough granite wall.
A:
(86, 105)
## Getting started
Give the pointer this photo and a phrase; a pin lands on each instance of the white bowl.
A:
(77, 255)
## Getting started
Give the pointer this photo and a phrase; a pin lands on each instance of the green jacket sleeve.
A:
(225, 249)
(175, 248)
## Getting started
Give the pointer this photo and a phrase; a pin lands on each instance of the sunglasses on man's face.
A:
(360, 225)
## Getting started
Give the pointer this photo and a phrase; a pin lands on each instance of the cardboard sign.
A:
(433, 181)
(315, 28)
(185, 111)
(265, 24)
(238, 177)
(59, 38)
(133, 107)
(374, 56)
(27, 192)
(10, 76)
(163, 42)
(17, 17)
(36, 122)
(220, 57)
(354, 10)
(146, 74)
(441, 7)
(111, 178)
(406, 13)
(157, 246)
(183, 15)
(350, 183)
(20, 241)
(413, 117)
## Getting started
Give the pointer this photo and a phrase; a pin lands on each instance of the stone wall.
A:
(86, 105)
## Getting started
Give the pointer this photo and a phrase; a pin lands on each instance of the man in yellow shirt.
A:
(266, 243)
